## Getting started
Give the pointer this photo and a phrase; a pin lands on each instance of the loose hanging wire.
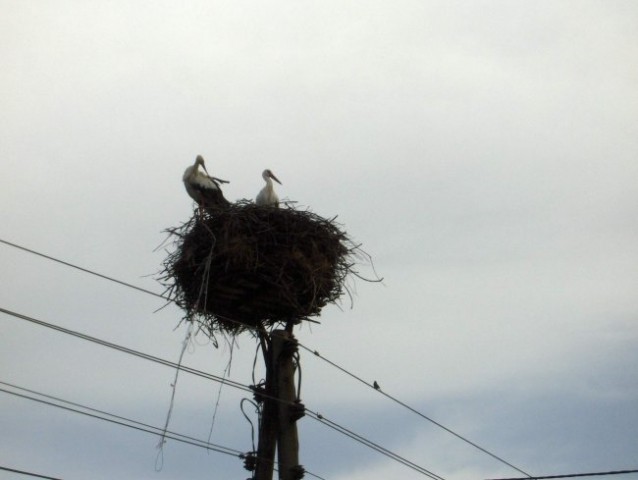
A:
(159, 460)
(297, 363)
(232, 383)
(170, 300)
(252, 426)
(225, 375)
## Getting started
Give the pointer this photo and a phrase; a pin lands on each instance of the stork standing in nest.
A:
(267, 196)
(203, 188)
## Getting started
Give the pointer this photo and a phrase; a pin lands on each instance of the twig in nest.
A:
(246, 267)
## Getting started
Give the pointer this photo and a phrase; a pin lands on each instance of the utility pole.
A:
(289, 408)
(280, 412)
(268, 426)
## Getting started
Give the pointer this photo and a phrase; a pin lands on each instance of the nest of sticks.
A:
(248, 267)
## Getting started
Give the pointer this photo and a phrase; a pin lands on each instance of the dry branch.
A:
(251, 267)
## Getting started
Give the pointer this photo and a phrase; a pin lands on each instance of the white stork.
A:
(203, 188)
(267, 195)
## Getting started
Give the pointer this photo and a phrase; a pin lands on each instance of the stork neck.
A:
(269, 184)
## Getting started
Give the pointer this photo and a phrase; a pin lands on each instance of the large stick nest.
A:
(247, 266)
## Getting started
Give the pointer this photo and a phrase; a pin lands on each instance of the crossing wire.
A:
(122, 422)
(97, 412)
(231, 383)
(315, 352)
(129, 351)
(413, 410)
(354, 436)
(394, 399)
(126, 422)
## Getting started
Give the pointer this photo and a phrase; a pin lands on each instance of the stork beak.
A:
(271, 175)
(211, 177)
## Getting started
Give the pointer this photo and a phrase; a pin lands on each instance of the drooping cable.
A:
(374, 446)
(116, 419)
(215, 378)
(129, 351)
(413, 410)
(78, 408)
(394, 399)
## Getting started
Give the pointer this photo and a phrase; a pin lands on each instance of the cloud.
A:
(483, 153)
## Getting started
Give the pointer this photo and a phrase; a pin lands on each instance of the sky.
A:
(483, 152)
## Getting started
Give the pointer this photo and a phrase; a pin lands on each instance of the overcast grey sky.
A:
(484, 152)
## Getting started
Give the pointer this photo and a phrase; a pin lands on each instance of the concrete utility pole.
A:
(280, 412)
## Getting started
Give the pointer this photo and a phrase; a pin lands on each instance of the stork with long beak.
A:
(202, 187)
(267, 196)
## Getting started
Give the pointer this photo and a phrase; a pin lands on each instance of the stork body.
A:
(203, 188)
(267, 196)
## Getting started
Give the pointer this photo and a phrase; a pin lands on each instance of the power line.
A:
(106, 277)
(413, 410)
(126, 422)
(244, 387)
(103, 413)
(129, 351)
(82, 269)
(30, 474)
(373, 445)
(460, 437)
(123, 422)
(573, 475)
(215, 378)
(315, 352)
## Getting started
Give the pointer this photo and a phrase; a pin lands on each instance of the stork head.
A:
(268, 174)
(200, 161)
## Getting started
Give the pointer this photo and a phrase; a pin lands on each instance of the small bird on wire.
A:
(376, 385)
(202, 187)
(267, 196)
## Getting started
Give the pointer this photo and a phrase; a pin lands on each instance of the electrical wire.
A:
(82, 269)
(125, 422)
(118, 417)
(106, 277)
(129, 351)
(30, 474)
(413, 410)
(215, 378)
(315, 352)
(374, 446)
(573, 475)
